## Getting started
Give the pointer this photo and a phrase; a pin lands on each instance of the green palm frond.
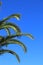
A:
(10, 25)
(17, 16)
(9, 51)
(14, 41)
(21, 34)
(7, 30)
(7, 38)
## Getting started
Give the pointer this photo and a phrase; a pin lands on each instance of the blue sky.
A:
(31, 22)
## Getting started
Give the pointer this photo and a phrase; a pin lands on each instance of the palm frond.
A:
(21, 34)
(9, 51)
(10, 25)
(17, 16)
(7, 38)
(14, 41)
(7, 30)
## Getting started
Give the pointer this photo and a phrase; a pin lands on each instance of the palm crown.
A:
(10, 39)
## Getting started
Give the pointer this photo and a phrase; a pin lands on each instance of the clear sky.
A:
(31, 22)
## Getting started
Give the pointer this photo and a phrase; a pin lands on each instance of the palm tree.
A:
(11, 39)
